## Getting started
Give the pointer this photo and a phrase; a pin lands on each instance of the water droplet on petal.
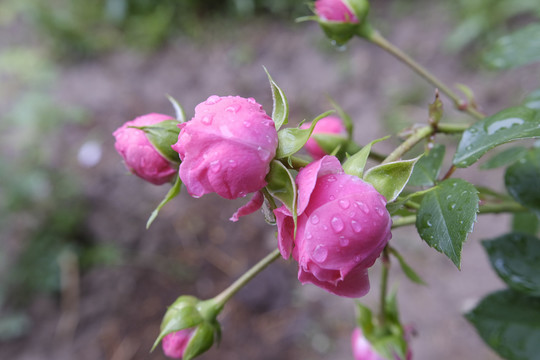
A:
(337, 224)
(264, 154)
(252, 101)
(314, 219)
(214, 99)
(233, 108)
(379, 211)
(332, 197)
(356, 226)
(242, 194)
(357, 259)
(215, 166)
(207, 119)
(344, 204)
(232, 163)
(362, 207)
(247, 124)
(351, 214)
(343, 241)
(331, 178)
(325, 227)
(320, 253)
(308, 235)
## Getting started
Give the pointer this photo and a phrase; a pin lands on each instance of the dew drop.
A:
(453, 206)
(233, 108)
(263, 153)
(308, 235)
(356, 226)
(215, 166)
(357, 259)
(232, 163)
(252, 101)
(448, 197)
(207, 119)
(268, 139)
(320, 253)
(314, 219)
(429, 224)
(214, 99)
(337, 224)
(332, 197)
(331, 178)
(247, 124)
(351, 214)
(344, 204)
(343, 241)
(379, 211)
(242, 194)
(325, 227)
(362, 207)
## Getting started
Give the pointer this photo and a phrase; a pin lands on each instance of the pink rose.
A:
(174, 344)
(227, 147)
(140, 156)
(334, 10)
(363, 350)
(331, 125)
(343, 226)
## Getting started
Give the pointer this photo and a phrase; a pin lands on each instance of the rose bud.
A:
(140, 156)
(341, 19)
(226, 148)
(174, 344)
(330, 125)
(342, 228)
(364, 350)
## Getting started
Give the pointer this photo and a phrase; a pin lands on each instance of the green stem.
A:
(447, 128)
(418, 135)
(384, 284)
(226, 294)
(403, 221)
(459, 103)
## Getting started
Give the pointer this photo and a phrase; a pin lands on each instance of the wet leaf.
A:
(521, 180)
(504, 158)
(390, 179)
(505, 126)
(516, 259)
(519, 48)
(280, 110)
(446, 215)
(509, 322)
(525, 222)
(427, 169)
(355, 164)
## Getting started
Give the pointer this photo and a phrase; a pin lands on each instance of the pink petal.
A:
(253, 205)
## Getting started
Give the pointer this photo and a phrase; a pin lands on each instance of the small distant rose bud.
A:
(140, 156)
(226, 148)
(330, 125)
(364, 350)
(341, 19)
(343, 226)
(174, 344)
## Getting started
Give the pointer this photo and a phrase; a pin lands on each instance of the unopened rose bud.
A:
(330, 125)
(227, 147)
(364, 350)
(341, 19)
(342, 228)
(174, 344)
(140, 156)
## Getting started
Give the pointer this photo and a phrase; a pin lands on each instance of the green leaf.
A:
(446, 215)
(516, 259)
(280, 110)
(201, 340)
(407, 270)
(171, 194)
(521, 180)
(509, 322)
(355, 164)
(364, 319)
(504, 158)
(525, 222)
(162, 135)
(179, 111)
(282, 186)
(427, 169)
(390, 179)
(330, 143)
(507, 125)
(519, 48)
(291, 140)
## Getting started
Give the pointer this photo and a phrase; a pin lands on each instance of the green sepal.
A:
(291, 140)
(201, 340)
(280, 109)
(281, 185)
(427, 169)
(179, 111)
(162, 135)
(390, 179)
(360, 8)
(330, 143)
(507, 125)
(182, 314)
(407, 270)
(171, 194)
(346, 118)
(447, 215)
(355, 164)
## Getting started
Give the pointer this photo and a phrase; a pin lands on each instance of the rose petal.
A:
(253, 205)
